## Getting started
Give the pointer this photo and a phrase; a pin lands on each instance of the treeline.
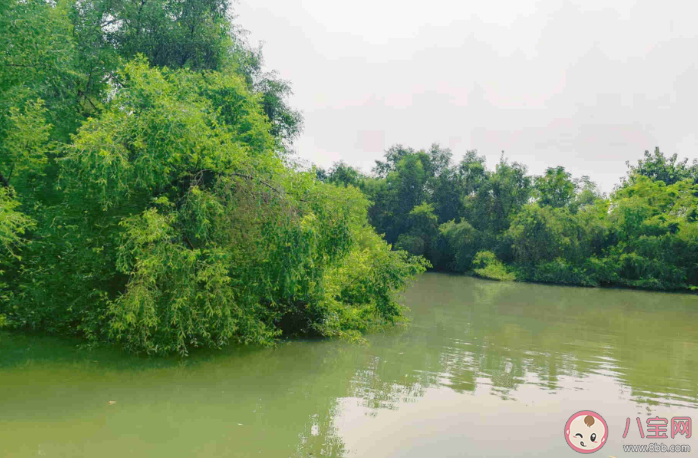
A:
(147, 195)
(553, 228)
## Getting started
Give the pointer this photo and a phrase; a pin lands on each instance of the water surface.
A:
(484, 369)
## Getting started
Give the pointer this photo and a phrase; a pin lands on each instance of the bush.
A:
(560, 271)
(413, 244)
(487, 265)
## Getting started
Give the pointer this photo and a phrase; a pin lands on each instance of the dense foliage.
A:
(505, 224)
(147, 192)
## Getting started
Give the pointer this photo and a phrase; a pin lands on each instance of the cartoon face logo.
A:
(586, 432)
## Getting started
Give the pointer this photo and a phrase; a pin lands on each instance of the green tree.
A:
(345, 175)
(40, 60)
(23, 153)
(655, 226)
(392, 156)
(460, 242)
(658, 167)
(556, 188)
(421, 238)
(13, 225)
(396, 195)
(494, 202)
(182, 227)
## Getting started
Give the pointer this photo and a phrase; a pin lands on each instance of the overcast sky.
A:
(575, 83)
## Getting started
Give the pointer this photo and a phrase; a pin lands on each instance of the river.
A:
(484, 369)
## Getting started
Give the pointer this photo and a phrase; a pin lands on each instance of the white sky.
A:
(575, 83)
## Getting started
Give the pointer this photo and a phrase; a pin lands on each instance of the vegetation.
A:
(487, 265)
(147, 195)
(505, 224)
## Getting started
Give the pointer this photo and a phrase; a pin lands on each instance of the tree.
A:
(461, 242)
(588, 194)
(556, 188)
(23, 153)
(658, 167)
(472, 172)
(496, 199)
(654, 225)
(40, 60)
(394, 197)
(421, 238)
(189, 33)
(392, 156)
(345, 175)
(410, 178)
(180, 225)
(13, 225)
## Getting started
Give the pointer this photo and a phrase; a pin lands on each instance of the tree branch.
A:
(250, 177)
(199, 175)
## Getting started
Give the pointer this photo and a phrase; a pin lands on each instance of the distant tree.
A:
(392, 157)
(499, 197)
(658, 167)
(439, 160)
(462, 242)
(588, 193)
(423, 229)
(321, 174)
(471, 172)
(343, 174)
(555, 188)
(447, 195)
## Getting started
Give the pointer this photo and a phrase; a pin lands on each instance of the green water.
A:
(484, 369)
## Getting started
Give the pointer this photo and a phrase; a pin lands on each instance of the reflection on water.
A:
(484, 369)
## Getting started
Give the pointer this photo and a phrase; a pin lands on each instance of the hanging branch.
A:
(251, 178)
(199, 176)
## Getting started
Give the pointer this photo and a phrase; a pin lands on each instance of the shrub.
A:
(487, 265)
(562, 272)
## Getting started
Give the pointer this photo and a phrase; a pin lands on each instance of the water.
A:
(484, 369)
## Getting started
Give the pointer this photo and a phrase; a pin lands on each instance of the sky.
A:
(584, 84)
